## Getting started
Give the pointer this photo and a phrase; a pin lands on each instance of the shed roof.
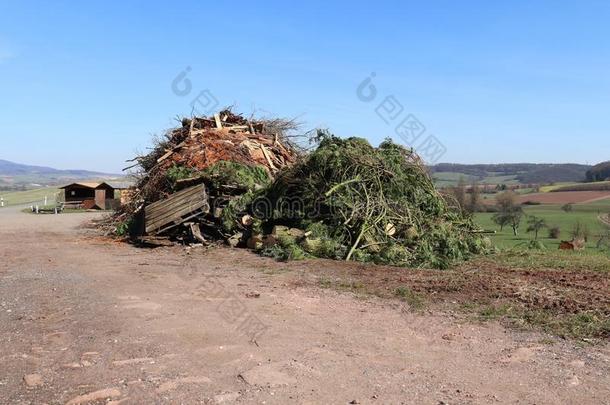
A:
(92, 186)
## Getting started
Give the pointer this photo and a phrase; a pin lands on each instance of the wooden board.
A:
(175, 210)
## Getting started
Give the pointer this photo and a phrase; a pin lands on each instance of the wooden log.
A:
(196, 231)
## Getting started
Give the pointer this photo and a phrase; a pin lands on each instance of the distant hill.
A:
(17, 176)
(510, 173)
(599, 172)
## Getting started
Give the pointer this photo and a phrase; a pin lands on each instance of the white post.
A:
(45, 200)
(37, 209)
(1, 202)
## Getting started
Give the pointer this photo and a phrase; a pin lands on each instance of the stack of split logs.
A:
(180, 192)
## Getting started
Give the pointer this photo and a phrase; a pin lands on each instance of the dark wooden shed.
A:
(90, 195)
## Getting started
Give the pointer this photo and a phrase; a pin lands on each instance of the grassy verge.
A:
(65, 211)
(30, 196)
(559, 292)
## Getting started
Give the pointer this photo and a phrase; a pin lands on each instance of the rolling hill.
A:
(446, 174)
(17, 176)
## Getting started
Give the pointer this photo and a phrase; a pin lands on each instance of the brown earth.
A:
(565, 197)
(86, 320)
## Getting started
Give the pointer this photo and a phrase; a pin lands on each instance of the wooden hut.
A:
(90, 196)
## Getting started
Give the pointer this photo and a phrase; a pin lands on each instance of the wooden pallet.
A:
(179, 208)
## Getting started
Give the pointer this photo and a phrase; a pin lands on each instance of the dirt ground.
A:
(83, 319)
(566, 197)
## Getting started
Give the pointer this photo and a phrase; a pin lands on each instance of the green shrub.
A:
(554, 232)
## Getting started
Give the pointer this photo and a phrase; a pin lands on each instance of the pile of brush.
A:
(349, 200)
(243, 181)
(227, 153)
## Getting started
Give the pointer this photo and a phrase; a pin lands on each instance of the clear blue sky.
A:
(84, 85)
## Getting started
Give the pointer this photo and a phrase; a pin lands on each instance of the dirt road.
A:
(84, 320)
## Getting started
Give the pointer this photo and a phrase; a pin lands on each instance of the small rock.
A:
(95, 396)
(224, 398)
(33, 380)
(133, 361)
(72, 365)
(253, 294)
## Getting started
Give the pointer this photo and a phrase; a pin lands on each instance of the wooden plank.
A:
(170, 152)
(218, 121)
(177, 196)
(172, 209)
(175, 215)
(170, 222)
(271, 165)
(175, 224)
(174, 205)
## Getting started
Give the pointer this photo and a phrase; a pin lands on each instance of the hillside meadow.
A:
(586, 214)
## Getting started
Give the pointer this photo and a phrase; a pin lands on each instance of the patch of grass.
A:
(273, 272)
(546, 189)
(29, 197)
(554, 216)
(494, 312)
(325, 282)
(591, 260)
(414, 300)
(581, 325)
(351, 286)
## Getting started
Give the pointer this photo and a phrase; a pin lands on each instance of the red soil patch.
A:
(565, 197)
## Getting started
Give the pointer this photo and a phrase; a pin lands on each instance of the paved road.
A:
(83, 319)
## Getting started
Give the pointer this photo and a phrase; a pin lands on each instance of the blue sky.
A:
(84, 85)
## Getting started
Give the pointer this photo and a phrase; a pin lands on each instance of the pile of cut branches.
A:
(228, 153)
(344, 200)
(357, 202)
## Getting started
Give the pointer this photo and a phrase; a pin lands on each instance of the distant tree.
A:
(509, 211)
(501, 219)
(554, 232)
(599, 172)
(604, 239)
(474, 197)
(580, 231)
(567, 207)
(535, 224)
(506, 201)
(515, 219)
(459, 192)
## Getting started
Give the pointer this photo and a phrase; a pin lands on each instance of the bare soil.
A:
(87, 320)
(566, 197)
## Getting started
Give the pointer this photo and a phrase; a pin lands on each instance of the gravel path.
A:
(86, 320)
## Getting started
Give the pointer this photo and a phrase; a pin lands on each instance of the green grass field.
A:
(447, 179)
(547, 189)
(553, 215)
(27, 197)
